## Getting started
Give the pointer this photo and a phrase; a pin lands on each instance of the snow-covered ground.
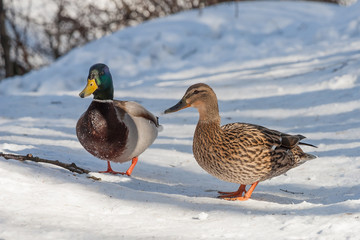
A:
(291, 66)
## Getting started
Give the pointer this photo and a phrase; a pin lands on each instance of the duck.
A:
(114, 130)
(241, 153)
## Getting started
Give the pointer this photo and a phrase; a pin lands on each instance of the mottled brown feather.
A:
(238, 152)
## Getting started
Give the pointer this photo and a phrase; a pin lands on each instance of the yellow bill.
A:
(89, 89)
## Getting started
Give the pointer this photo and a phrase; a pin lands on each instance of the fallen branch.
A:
(287, 191)
(29, 157)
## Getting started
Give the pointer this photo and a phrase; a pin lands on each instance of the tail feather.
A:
(306, 157)
(309, 156)
(307, 144)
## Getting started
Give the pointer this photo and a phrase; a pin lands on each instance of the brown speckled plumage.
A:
(238, 152)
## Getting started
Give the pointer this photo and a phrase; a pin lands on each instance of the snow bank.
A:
(291, 66)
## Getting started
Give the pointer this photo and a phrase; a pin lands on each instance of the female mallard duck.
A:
(112, 130)
(238, 152)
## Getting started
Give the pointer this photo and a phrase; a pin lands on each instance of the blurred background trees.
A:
(34, 33)
(31, 37)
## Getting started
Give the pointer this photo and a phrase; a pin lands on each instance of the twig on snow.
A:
(29, 157)
(287, 191)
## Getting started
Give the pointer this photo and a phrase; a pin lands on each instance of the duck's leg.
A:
(109, 170)
(128, 172)
(238, 194)
(131, 168)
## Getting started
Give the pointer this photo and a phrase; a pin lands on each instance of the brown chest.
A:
(101, 131)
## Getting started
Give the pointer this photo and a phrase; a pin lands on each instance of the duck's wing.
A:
(252, 135)
(274, 151)
(136, 110)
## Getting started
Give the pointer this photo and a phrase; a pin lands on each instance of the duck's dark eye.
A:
(102, 73)
(196, 92)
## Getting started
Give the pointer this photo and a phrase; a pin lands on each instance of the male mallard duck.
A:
(238, 152)
(113, 130)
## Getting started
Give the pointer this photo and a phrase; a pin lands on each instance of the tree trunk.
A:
(5, 42)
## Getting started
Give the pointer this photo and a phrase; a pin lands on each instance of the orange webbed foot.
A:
(239, 192)
(110, 170)
(238, 195)
(128, 172)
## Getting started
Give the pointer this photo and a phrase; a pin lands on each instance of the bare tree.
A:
(73, 24)
(5, 43)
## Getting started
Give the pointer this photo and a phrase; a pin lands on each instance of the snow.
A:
(290, 66)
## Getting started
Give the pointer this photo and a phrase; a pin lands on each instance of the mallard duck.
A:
(240, 153)
(113, 130)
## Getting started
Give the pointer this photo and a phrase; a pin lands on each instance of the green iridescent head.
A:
(99, 83)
